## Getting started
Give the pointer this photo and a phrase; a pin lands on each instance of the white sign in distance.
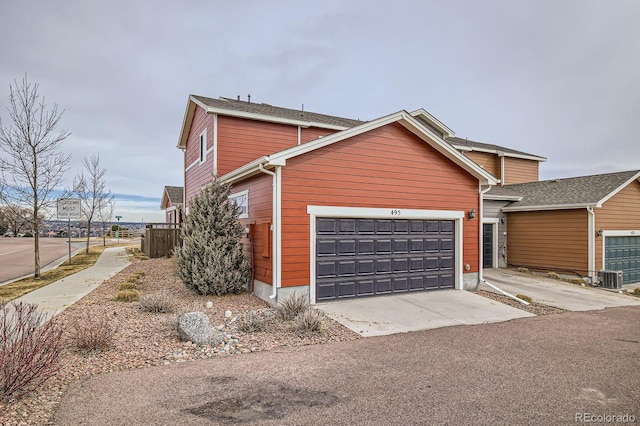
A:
(69, 208)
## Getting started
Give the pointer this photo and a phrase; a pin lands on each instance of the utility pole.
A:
(118, 231)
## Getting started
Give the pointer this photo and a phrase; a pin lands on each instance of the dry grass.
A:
(129, 295)
(136, 253)
(79, 262)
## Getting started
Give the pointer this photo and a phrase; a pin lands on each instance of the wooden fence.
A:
(160, 239)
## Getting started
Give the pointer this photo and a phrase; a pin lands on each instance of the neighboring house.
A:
(339, 207)
(576, 225)
(172, 203)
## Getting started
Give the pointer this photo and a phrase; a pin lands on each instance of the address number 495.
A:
(395, 212)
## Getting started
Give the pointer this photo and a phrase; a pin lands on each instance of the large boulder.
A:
(195, 327)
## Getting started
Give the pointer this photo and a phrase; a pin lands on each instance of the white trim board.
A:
(381, 213)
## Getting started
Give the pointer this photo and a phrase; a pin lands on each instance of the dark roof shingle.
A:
(175, 194)
(582, 190)
(274, 111)
(490, 147)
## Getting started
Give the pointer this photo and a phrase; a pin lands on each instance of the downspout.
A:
(591, 241)
(481, 215)
(502, 170)
(299, 135)
(274, 219)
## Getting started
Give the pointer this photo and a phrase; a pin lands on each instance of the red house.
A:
(338, 207)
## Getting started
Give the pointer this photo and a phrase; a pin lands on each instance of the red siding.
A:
(386, 168)
(198, 174)
(241, 141)
(313, 133)
(260, 212)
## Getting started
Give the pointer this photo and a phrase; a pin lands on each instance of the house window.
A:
(241, 199)
(203, 146)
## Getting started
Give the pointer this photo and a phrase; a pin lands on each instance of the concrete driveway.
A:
(562, 295)
(383, 315)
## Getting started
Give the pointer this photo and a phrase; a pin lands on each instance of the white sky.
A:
(558, 79)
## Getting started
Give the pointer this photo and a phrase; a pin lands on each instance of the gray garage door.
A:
(623, 254)
(367, 257)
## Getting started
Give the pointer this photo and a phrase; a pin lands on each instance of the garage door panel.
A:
(366, 257)
(366, 247)
(347, 247)
(400, 284)
(326, 226)
(400, 246)
(383, 247)
(623, 254)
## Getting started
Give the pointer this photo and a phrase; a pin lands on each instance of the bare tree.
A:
(105, 213)
(91, 189)
(33, 166)
(16, 218)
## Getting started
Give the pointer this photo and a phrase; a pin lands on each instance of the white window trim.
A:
(235, 195)
(377, 213)
(202, 153)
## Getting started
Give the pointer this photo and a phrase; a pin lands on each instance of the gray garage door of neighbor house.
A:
(367, 257)
(623, 254)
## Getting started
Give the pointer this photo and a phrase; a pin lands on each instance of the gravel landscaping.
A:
(533, 307)
(144, 339)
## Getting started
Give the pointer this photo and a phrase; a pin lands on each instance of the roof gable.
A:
(402, 117)
(467, 145)
(260, 112)
(567, 193)
(173, 195)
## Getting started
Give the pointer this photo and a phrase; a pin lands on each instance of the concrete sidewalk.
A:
(424, 310)
(57, 296)
(555, 293)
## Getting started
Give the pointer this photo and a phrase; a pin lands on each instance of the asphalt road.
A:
(16, 255)
(553, 369)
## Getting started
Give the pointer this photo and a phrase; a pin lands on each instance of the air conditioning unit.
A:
(610, 279)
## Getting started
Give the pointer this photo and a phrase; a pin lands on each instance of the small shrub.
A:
(133, 279)
(523, 270)
(251, 322)
(524, 297)
(292, 306)
(309, 321)
(30, 349)
(158, 303)
(552, 275)
(636, 291)
(128, 286)
(92, 333)
(128, 295)
(578, 281)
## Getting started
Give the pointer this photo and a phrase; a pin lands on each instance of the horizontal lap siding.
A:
(518, 170)
(489, 162)
(386, 168)
(260, 211)
(199, 174)
(241, 141)
(313, 133)
(556, 239)
(621, 212)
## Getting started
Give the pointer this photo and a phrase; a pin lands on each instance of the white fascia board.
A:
(499, 153)
(549, 207)
(445, 148)
(618, 189)
(434, 121)
(503, 197)
(382, 213)
(244, 171)
(271, 118)
(187, 120)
